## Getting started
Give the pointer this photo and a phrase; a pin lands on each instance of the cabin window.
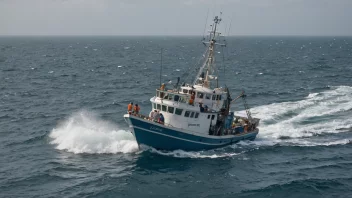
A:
(185, 91)
(217, 97)
(212, 117)
(163, 108)
(178, 111)
(207, 96)
(190, 91)
(166, 96)
(192, 115)
(208, 116)
(187, 114)
(157, 93)
(196, 116)
(170, 109)
(183, 100)
(158, 106)
(154, 106)
(171, 96)
(199, 95)
(214, 97)
(176, 98)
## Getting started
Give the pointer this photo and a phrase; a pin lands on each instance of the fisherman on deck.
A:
(206, 108)
(201, 108)
(152, 115)
(136, 109)
(162, 88)
(129, 108)
(161, 119)
(156, 116)
(191, 101)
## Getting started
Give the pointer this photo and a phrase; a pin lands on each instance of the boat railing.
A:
(172, 96)
(144, 117)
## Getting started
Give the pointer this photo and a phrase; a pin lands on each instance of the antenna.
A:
(161, 63)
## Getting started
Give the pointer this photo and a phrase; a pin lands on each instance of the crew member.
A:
(136, 109)
(162, 88)
(152, 115)
(161, 119)
(156, 116)
(129, 107)
(201, 108)
(191, 101)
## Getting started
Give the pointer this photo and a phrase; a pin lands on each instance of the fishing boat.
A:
(195, 116)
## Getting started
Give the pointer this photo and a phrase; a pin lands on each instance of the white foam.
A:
(318, 113)
(85, 132)
(194, 154)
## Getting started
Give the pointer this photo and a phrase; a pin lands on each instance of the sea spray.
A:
(86, 132)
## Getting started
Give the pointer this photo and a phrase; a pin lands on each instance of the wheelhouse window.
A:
(207, 96)
(170, 109)
(185, 91)
(196, 116)
(154, 106)
(208, 116)
(217, 97)
(171, 96)
(214, 97)
(158, 106)
(176, 98)
(199, 95)
(178, 111)
(212, 117)
(163, 108)
(190, 91)
(192, 115)
(187, 114)
(183, 99)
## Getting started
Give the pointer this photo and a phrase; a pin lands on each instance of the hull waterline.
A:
(167, 138)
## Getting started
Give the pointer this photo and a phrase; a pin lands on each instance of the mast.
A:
(208, 64)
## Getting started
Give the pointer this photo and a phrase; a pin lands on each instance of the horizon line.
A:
(167, 35)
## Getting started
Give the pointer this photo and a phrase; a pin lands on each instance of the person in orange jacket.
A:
(136, 109)
(129, 108)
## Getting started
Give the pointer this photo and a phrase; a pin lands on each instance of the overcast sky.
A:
(174, 17)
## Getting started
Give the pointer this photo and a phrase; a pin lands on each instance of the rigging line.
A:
(161, 63)
(228, 34)
(195, 66)
(205, 26)
(223, 63)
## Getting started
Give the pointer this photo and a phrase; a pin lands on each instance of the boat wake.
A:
(85, 132)
(317, 120)
(309, 122)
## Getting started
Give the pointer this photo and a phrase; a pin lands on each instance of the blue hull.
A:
(167, 138)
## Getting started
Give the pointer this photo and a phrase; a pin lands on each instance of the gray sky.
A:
(174, 17)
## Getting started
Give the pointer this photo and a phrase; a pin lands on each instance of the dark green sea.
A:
(62, 132)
